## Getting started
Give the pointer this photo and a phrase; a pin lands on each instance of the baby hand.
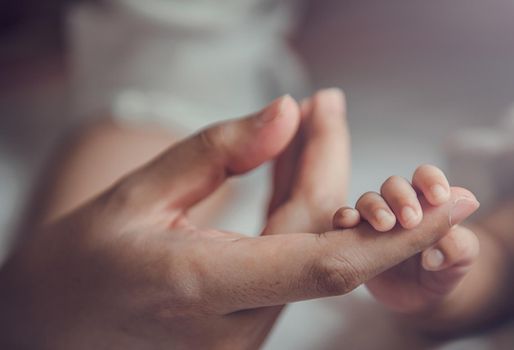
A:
(424, 280)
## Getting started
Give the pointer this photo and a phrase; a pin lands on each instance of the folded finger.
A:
(281, 268)
(374, 209)
(432, 182)
(346, 217)
(403, 200)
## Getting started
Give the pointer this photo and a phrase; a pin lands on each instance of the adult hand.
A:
(310, 178)
(128, 270)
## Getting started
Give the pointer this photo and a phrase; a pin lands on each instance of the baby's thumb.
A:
(459, 248)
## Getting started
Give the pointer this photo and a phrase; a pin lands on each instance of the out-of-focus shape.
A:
(182, 63)
(482, 159)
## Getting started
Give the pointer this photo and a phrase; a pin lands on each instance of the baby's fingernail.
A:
(462, 208)
(384, 217)
(434, 258)
(409, 215)
(349, 213)
(440, 193)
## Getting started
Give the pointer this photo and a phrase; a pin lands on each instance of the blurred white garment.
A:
(482, 159)
(182, 63)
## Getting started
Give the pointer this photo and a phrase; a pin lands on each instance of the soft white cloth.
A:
(482, 159)
(182, 63)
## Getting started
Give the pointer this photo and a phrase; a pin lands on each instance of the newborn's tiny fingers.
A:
(403, 200)
(346, 217)
(374, 209)
(432, 182)
(459, 249)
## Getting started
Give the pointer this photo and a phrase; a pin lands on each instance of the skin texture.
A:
(483, 298)
(129, 268)
(91, 160)
(421, 282)
(449, 288)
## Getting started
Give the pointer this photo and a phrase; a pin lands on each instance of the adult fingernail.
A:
(409, 215)
(334, 92)
(273, 110)
(440, 193)
(462, 208)
(434, 258)
(333, 99)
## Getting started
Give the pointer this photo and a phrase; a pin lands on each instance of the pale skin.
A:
(450, 287)
(130, 269)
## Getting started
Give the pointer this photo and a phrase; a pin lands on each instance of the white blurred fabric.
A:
(482, 159)
(182, 63)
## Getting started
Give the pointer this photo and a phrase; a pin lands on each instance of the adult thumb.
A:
(299, 266)
(190, 170)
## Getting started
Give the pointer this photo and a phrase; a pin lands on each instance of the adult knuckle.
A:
(167, 287)
(336, 275)
(184, 287)
(123, 194)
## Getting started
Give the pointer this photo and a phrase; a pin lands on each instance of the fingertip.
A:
(346, 217)
(375, 210)
(461, 209)
(287, 103)
(264, 134)
(283, 107)
(458, 249)
(403, 200)
(432, 182)
(330, 98)
(333, 92)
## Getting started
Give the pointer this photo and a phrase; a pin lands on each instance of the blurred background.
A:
(416, 73)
